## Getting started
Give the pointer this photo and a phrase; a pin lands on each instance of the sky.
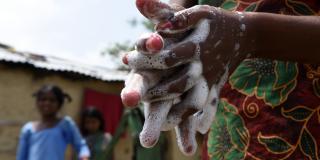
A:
(72, 29)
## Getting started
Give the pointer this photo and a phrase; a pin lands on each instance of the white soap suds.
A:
(134, 83)
(201, 32)
(218, 56)
(157, 61)
(141, 61)
(207, 115)
(243, 27)
(181, 13)
(155, 115)
(141, 81)
(186, 137)
(236, 46)
(212, 12)
(195, 69)
(240, 14)
(165, 97)
(217, 43)
(173, 55)
(173, 118)
(176, 100)
(196, 99)
(199, 97)
(159, 92)
(163, 12)
(194, 72)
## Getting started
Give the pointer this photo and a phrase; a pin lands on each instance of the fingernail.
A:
(164, 26)
(131, 99)
(155, 43)
(189, 149)
(125, 59)
(141, 46)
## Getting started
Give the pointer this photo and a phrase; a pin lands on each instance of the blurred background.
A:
(75, 44)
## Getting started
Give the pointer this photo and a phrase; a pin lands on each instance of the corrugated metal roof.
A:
(51, 63)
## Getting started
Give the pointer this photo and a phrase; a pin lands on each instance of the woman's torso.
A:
(269, 109)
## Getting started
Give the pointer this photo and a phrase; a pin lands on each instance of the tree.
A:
(118, 48)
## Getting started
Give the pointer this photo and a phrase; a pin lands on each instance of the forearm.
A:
(282, 37)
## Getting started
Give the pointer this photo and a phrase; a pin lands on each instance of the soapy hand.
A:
(179, 71)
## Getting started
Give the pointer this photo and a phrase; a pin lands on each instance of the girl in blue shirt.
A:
(47, 139)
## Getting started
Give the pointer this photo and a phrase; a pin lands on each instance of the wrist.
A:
(250, 34)
(243, 32)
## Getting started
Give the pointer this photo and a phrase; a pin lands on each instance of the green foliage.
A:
(117, 48)
(148, 25)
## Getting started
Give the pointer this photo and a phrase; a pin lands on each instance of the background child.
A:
(48, 137)
(92, 128)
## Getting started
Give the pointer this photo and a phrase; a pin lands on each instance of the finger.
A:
(206, 116)
(186, 137)
(187, 19)
(176, 116)
(141, 43)
(130, 95)
(177, 84)
(169, 57)
(149, 43)
(173, 55)
(194, 101)
(137, 84)
(155, 10)
(155, 114)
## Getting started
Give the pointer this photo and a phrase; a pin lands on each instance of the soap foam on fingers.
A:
(186, 137)
(195, 99)
(137, 84)
(155, 115)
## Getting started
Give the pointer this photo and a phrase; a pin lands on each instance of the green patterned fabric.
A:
(229, 136)
(268, 109)
(269, 80)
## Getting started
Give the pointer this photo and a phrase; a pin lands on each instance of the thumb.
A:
(155, 10)
(187, 19)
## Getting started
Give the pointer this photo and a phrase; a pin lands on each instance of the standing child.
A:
(48, 138)
(92, 128)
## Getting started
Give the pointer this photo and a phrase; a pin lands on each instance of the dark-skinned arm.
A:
(283, 37)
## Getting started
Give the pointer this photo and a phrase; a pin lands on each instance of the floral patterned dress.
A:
(268, 109)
